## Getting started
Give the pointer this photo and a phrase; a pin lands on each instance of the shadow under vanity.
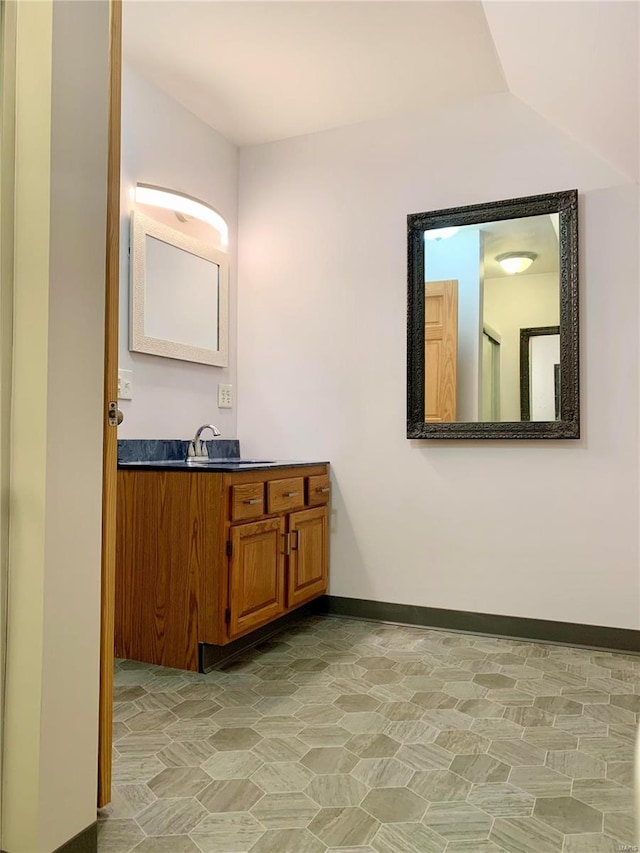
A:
(208, 553)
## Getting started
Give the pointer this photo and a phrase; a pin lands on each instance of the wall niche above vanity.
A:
(492, 320)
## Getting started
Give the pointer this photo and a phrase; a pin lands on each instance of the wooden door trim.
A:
(8, 38)
(110, 439)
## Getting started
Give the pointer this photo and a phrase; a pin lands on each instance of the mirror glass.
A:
(492, 346)
(484, 284)
(193, 318)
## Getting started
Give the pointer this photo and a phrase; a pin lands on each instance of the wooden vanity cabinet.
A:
(276, 564)
(206, 557)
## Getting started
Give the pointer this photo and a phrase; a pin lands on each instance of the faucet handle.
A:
(197, 449)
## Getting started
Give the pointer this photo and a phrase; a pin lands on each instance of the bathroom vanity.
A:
(209, 553)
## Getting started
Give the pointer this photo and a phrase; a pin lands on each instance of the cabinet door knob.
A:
(253, 501)
(323, 489)
(291, 494)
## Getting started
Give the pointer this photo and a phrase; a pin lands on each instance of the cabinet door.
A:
(256, 575)
(309, 560)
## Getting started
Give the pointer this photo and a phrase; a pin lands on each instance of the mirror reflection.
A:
(491, 321)
(192, 319)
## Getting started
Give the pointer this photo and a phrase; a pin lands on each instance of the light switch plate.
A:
(125, 384)
(225, 396)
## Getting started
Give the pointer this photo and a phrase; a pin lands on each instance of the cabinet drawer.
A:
(247, 501)
(283, 495)
(318, 490)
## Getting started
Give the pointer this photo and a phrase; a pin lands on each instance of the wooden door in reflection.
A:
(440, 350)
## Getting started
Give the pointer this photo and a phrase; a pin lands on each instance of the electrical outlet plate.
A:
(125, 384)
(225, 396)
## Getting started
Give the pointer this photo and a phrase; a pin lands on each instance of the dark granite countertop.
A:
(213, 465)
(171, 454)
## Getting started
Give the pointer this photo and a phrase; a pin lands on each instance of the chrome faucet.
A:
(198, 448)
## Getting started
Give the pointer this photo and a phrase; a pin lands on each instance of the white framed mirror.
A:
(179, 295)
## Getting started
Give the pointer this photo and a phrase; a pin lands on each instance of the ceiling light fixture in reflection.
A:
(441, 233)
(515, 262)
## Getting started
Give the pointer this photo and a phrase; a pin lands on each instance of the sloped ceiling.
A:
(260, 71)
(577, 64)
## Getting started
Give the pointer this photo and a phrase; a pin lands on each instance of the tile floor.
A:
(360, 737)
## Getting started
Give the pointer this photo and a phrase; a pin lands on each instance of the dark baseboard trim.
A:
(214, 657)
(538, 630)
(84, 842)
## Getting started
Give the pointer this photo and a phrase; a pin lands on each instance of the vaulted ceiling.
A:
(261, 71)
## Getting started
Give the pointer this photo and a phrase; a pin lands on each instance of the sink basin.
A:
(203, 462)
(242, 461)
(252, 463)
(196, 460)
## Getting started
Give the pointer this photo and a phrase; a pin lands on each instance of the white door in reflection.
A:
(544, 360)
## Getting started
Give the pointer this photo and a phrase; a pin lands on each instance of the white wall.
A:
(579, 43)
(444, 524)
(512, 303)
(51, 719)
(166, 145)
(459, 257)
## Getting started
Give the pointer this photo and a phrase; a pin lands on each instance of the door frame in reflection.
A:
(525, 368)
(495, 341)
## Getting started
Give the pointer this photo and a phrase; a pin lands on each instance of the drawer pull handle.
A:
(253, 501)
(323, 489)
(290, 494)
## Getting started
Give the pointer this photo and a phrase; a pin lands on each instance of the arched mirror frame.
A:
(565, 204)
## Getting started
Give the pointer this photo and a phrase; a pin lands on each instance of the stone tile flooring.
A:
(363, 737)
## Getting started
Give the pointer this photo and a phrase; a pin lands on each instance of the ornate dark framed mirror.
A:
(492, 320)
